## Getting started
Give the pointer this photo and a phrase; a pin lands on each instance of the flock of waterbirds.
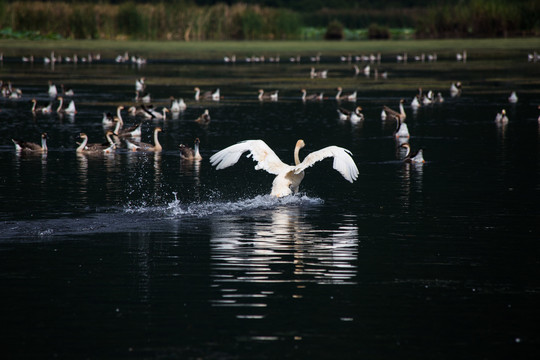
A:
(288, 177)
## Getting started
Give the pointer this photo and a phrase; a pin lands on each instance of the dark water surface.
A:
(142, 255)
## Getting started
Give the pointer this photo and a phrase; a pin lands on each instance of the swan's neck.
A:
(157, 145)
(401, 109)
(197, 94)
(408, 151)
(297, 155)
(338, 93)
(119, 115)
(44, 143)
(34, 106)
(303, 94)
(164, 113)
(109, 139)
(83, 144)
(119, 124)
(60, 105)
(261, 94)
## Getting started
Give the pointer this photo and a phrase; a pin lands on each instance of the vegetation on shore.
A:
(187, 21)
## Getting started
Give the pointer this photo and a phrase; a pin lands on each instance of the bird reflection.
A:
(278, 244)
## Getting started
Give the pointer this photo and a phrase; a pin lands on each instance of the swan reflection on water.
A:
(279, 248)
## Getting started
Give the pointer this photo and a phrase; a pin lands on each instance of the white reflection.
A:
(279, 247)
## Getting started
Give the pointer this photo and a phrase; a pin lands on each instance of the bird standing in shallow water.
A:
(288, 177)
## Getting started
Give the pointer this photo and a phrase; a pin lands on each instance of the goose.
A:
(155, 114)
(68, 92)
(41, 109)
(140, 85)
(95, 148)
(134, 131)
(71, 110)
(343, 114)
(311, 97)
(107, 120)
(402, 131)
(323, 74)
(348, 97)
(288, 177)
(513, 98)
(356, 115)
(188, 153)
(400, 116)
(273, 96)
(415, 157)
(139, 111)
(501, 118)
(140, 146)
(177, 105)
(204, 119)
(455, 89)
(207, 95)
(415, 104)
(30, 146)
(53, 92)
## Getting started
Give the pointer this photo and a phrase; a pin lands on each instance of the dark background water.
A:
(148, 256)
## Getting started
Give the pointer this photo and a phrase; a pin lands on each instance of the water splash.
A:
(177, 209)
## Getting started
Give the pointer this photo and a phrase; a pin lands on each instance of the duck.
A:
(25, 146)
(204, 119)
(140, 146)
(96, 148)
(190, 154)
(400, 116)
(288, 177)
(311, 97)
(41, 109)
(348, 97)
(273, 96)
(415, 157)
(513, 98)
(501, 118)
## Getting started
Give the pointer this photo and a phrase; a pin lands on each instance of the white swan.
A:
(52, 90)
(288, 177)
(513, 98)
(416, 157)
(501, 118)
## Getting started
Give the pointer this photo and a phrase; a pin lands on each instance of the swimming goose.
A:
(188, 153)
(400, 116)
(70, 110)
(415, 104)
(140, 146)
(177, 105)
(501, 118)
(68, 92)
(347, 97)
(53, 92)
(96, 148)
(288, 177)
(204, 119)
(455, 89)
(30, 146)
(134, 131)
(402, 130)
(415, 157)
(354, 115)
(273, 96)
(311, 97)
(154, 114)
(513, 98)
(323, 74)
(41, 109)
(207, 95)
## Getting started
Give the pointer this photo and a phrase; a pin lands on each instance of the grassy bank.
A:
(217, 49)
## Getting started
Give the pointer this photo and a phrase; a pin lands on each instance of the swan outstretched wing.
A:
(343, 162)
(260, 152)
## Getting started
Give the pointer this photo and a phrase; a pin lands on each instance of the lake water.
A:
(143, 255)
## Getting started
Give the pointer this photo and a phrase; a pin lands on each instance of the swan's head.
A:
(121, 107)
(158, 129)
(339, 88)
(34, 101)
(401, 101)
(44, 136)
(197, 141)
(261, 90)
(358, 108)
(83, 136)
(300, 144)
(197, 89)
(59, 98)
(503, 112)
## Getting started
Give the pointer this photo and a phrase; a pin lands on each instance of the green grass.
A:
(217, 49)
